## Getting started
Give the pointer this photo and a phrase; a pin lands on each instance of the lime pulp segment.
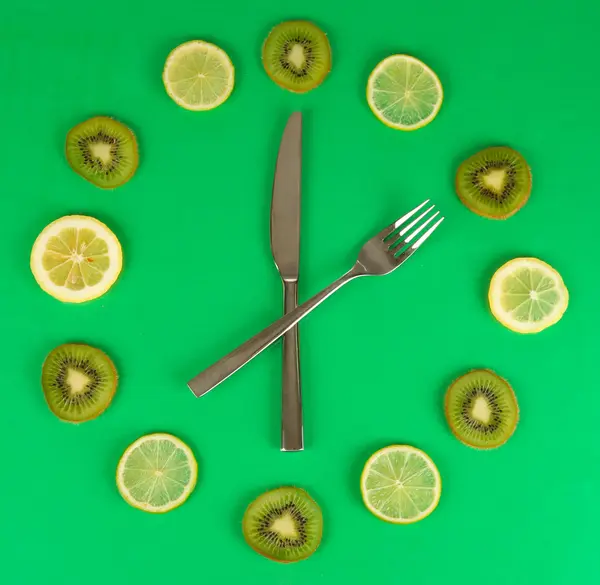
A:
(529, 295)
(76, 258)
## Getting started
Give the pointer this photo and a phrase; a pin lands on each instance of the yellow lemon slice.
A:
(157, 473)
(401, 484)
(404, 93)
(76, 259)
(198, 75)
(527, 295)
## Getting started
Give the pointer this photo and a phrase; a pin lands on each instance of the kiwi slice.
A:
(79, 382)
(103, 151)
(284, 525)
(297, 56)
(495, 182)
(482, 409)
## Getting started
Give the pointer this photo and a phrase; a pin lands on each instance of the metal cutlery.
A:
(285, 247)
(380, 255)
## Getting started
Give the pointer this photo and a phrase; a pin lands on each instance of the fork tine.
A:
(399, 239)
(409, 239)
(427, 233)
(400, 258)
(384, 233)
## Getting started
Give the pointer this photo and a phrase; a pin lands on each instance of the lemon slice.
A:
(198, 75)
(401, 484)
(157, 473)
(76, 258)
(527, 295)
(404, 93)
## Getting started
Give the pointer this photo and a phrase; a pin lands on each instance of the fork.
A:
(380, 255)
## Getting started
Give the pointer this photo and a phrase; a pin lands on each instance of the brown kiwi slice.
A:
(495, 182)
(103, 151)
(482, 409)
(284, 525)
(297, 55)
(79, 382)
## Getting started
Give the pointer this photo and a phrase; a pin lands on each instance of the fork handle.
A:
(291, 395)
(232, 362)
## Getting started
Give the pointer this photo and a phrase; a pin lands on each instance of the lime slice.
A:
(157, 473)
(404, 93)
(527, 295)
(76, 258)
(198, 75)
(401, 484)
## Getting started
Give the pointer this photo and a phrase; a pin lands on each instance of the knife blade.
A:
(285, 247)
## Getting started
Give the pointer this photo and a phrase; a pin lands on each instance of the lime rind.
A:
(76, 259)
(157, 473)
(198, 76)
(404, 93)
(527, 295)
(400, 484)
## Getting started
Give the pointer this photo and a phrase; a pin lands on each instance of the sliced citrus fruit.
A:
(198, 75)
(157, 473)
(401, 484)
(404, 93)
(76, 258)
(527, 295)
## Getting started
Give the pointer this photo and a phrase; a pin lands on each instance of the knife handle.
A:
(291, 396)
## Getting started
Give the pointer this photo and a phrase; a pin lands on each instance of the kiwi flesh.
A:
(284, 525)
(495, 182)
(482, 409)
(297, 55)
(103, 151)
(79, 382)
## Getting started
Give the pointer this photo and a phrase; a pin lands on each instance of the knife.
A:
(285, 247)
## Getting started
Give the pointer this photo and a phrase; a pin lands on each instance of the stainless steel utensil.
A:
(285, 247)
(380, 255)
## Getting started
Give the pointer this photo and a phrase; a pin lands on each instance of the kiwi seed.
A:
(297, 56)
(79, 382)
(482, 409)
(284, 525)
(103, 151)
(495, 182)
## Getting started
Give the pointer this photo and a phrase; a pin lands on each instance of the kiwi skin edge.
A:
(113, 368)
(277, 82)
(494, 445)
(487, 215)
(136, 154)
(260, 552)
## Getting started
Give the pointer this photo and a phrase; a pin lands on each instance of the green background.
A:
(376, 359)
